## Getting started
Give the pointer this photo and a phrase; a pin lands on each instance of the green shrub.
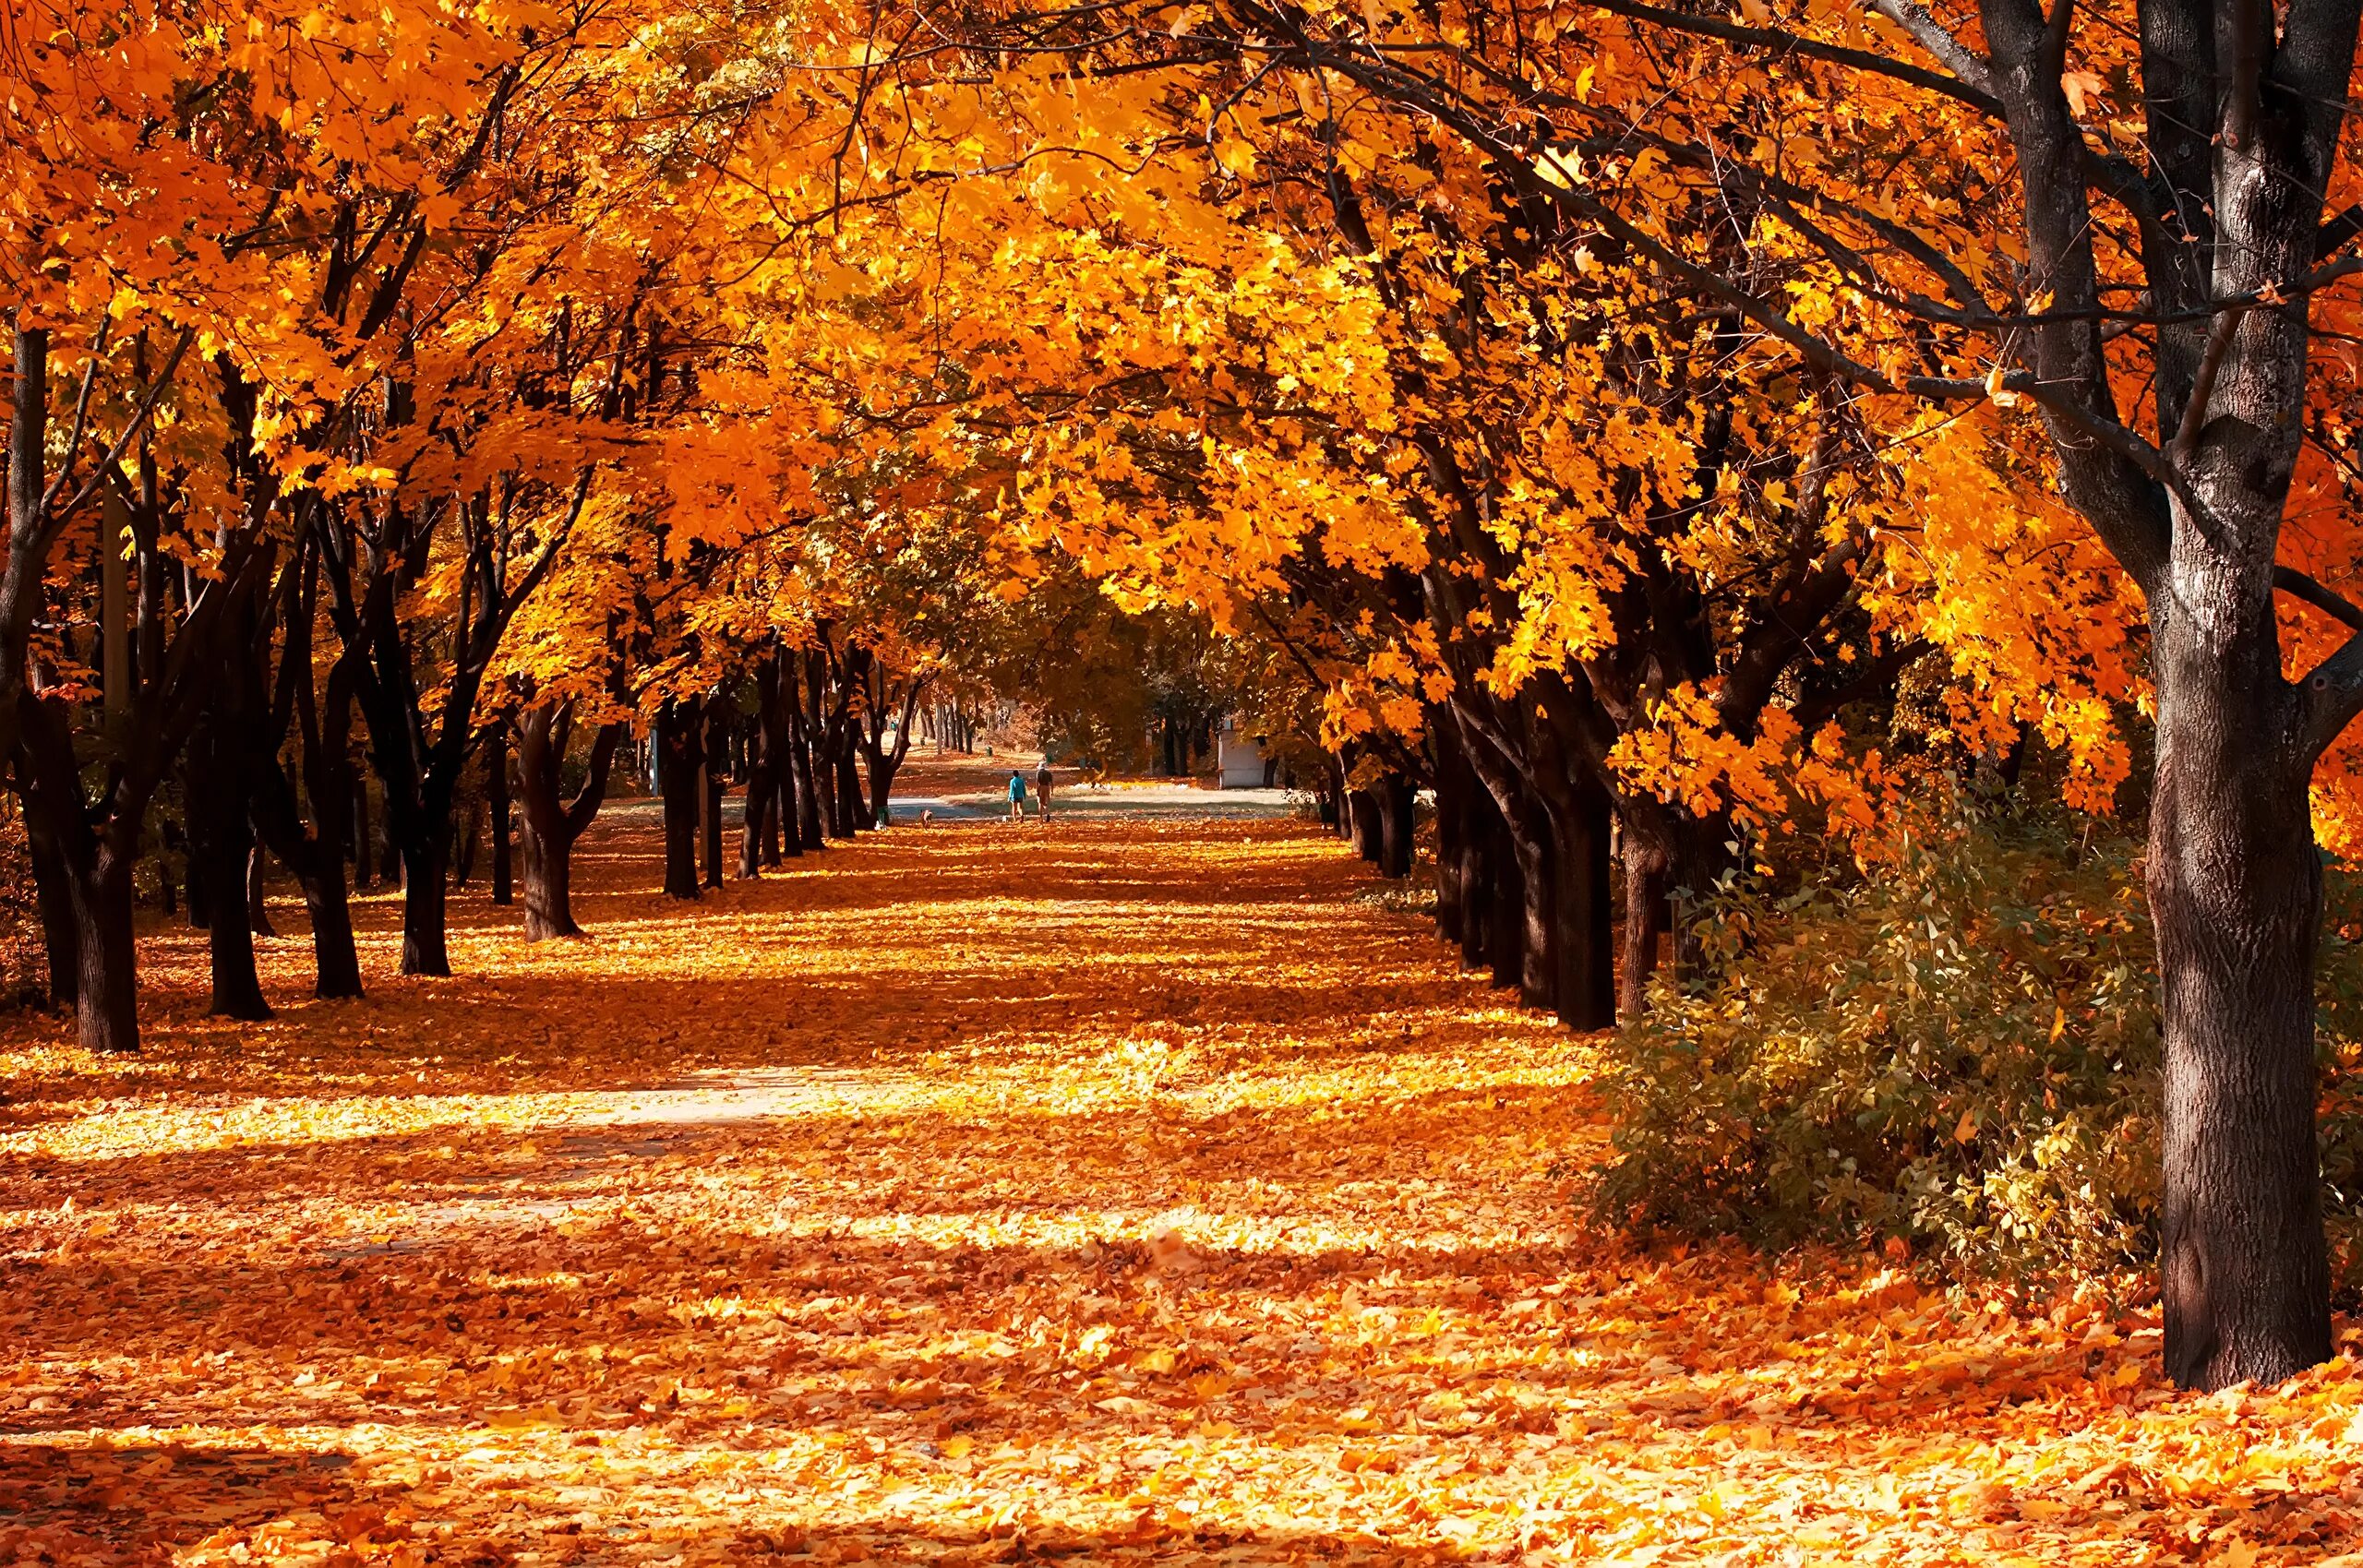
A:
(1961, 1050)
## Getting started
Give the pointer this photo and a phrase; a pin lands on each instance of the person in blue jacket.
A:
(1016, 795)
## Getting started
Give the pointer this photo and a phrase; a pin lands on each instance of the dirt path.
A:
(1135, 1190)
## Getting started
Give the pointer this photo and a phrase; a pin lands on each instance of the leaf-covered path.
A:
(1128, 1191)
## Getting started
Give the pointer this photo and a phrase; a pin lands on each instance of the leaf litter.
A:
(1132, 1191)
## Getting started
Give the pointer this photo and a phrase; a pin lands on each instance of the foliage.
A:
(1961, 1049)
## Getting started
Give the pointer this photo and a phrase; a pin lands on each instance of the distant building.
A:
(1240, 762)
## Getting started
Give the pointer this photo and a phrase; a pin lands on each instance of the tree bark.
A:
(2234, 885)
(713, 782)
(1397, 824)
(551, 824)
(495, 782)
(53, 898)
(221, 842)
(361, 838)
(759, 827)
(258, 907)
(107, 1008)
(423, 948)
(1647, 916)
(1363, 816)
(810, 831)
(680, 749)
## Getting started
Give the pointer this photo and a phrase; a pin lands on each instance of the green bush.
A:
(1960, 1050)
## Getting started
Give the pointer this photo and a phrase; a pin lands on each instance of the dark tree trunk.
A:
(200, 897)
(221, 842)
(679, 749)
(54, 897)
(1362, 820)
(849, 822)
(1583, 987)
(257, 906)
(361, 838)
(1504, 930)
(464, 848)
(810, 833)
(549, 886)
(713, 782)
(1452, 784)
(336, 965)
(495, 786)
(1395, 825)
(551, 824)
(759, 827)
(423, 949)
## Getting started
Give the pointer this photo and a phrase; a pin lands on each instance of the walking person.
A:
(1016, 795)
(1042, 786)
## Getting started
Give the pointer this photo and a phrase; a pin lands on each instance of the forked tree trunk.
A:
(551, 824)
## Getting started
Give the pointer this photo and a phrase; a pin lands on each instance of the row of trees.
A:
(1654, 433)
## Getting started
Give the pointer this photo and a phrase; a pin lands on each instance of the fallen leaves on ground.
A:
(1130, 1190)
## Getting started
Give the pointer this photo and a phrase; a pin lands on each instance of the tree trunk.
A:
(1504, 933)
(809, 832)
(758, 823)
(336, 965)
(1583, 987)
(257, 908)
(361, 839)
(54, 897)
(463, 849)
(1647, 916)
(1397, 805)
(423, 949)
(679, 750)
(549, 876)
(2235, 884)
(222, 843)
(106, 1010)
(850, 824)
(1362, 820)
(495, 785)
(713, 782)
(551, 825)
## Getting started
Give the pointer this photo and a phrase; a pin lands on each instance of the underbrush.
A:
(1958, 1052)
